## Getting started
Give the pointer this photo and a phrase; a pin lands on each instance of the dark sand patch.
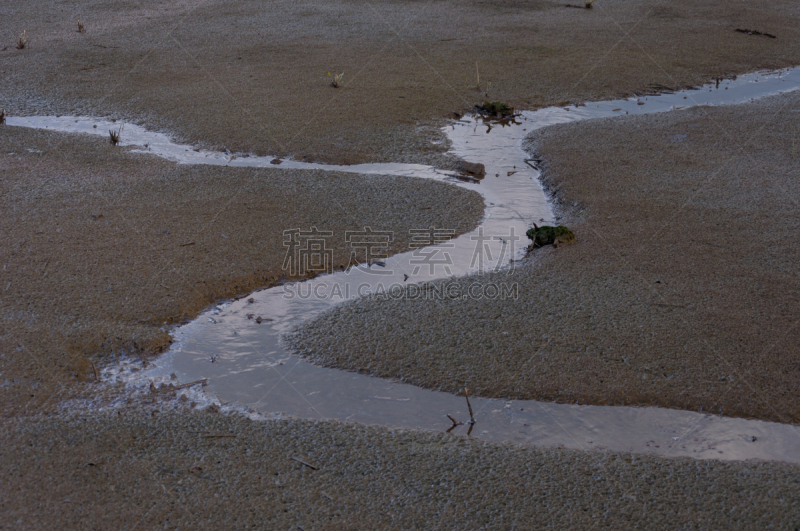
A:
(681, 291)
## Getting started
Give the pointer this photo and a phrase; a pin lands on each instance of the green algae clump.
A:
(548, 235)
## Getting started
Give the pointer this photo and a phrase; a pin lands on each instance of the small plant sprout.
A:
(337, 79)
(115, 136)
(22, 41)
(3, 116)
(81, 29)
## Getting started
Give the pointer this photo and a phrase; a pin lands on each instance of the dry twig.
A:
(455, 423)
(203, 381)
(312, 467)
(471, 415)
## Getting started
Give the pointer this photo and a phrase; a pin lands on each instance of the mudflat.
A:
(681, 290)
(254, 77)
(103, 249)
(135, 471)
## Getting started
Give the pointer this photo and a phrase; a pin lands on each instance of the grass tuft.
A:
(22, 42)
(336, 79)
(116, 136)
(81, 29)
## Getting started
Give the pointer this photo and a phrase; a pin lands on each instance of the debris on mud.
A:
(336, 79)
(474, 170)
(754, 32)
(548, 235)
(495, 108)
(115, 136)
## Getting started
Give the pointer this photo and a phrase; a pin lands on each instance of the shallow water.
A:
(252, 368)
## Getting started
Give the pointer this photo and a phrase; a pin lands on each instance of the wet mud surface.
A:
(232, 75)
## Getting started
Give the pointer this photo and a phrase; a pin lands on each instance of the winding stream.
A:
(252, 368)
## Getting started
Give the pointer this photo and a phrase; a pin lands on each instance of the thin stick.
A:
(96, 377)
(312, 467)
(478, 74)
(203, 381)
(455, 423)
(471, 415)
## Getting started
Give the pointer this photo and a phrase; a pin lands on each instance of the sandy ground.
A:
(78, 284)
(682, 290)
(253, 76)
(78, 287)
(103, 249)
(209, 471)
